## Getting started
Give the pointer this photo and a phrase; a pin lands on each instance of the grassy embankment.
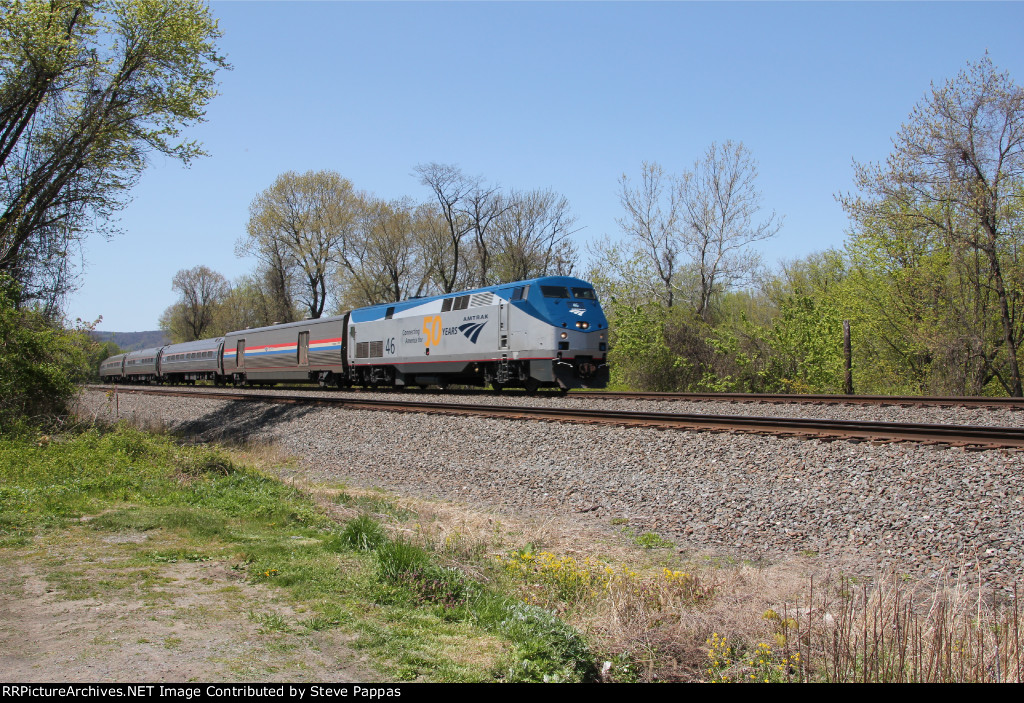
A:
(426, 600)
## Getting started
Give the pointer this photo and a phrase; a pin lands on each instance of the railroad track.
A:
(822, 398)
(953, 435)
(907, 401)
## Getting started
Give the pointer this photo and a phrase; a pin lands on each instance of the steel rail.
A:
(858, 430)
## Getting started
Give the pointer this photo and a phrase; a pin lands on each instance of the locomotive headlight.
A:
(583, 325)
(564, 335)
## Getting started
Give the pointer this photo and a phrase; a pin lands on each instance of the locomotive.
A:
(544, 332)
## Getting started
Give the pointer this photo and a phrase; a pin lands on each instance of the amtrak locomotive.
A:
(545, 332)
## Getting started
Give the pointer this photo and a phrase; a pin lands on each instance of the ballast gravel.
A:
(858, 506)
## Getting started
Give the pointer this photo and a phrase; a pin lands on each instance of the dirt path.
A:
(79, 605)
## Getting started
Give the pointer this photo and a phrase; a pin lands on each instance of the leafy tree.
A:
(303, 225)
(384, 260)
(954, 180)
(249, 302)
(202, 290)
(89, 89)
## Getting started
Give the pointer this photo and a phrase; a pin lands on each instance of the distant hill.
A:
(130, 341)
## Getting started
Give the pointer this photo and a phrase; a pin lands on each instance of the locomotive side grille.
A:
(480, 299)
(369, 350)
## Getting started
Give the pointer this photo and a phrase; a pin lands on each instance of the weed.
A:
(649, 540)
(269, 622)
(363, 533)
(399, 557)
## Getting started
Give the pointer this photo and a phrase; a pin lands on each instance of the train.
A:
(547, 332)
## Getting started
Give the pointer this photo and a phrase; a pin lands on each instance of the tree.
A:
(384, 262)
(955, 177)
(303, 226)
(652, 222)
(451, 189)
(248, 303)
(719, 202)
(89, 89)
(698, 226)
(483, 206)
(201, 290)
(532, 237)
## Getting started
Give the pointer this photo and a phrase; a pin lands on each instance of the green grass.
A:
(415, 618)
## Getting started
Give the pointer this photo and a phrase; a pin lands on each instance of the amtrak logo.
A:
(472, 330)
(577, 311)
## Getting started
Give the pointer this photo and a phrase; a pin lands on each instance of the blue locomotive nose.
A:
(572, 306)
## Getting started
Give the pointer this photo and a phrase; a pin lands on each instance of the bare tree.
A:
(718, 205)
(275, 274)
(532, 237)
(451, 190)
(482, 206)
(652, 221)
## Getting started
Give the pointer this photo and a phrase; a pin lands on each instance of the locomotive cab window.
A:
(555, 291)
(584, 293)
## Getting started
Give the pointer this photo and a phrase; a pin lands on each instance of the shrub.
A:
(40, 363)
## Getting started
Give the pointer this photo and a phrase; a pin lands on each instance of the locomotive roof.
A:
(550, 280)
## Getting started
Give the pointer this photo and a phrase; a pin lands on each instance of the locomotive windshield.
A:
(555, 291)
(584, 293)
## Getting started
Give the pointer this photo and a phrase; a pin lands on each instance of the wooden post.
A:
(848, 359)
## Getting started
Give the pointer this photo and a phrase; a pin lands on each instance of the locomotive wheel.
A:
(532, 385)
(497, 386)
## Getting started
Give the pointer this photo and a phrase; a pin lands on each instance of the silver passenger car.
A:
(189, 362)
(112, 369)
(142, 366)
(309, 350)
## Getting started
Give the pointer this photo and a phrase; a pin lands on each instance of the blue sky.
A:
(567, 96)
